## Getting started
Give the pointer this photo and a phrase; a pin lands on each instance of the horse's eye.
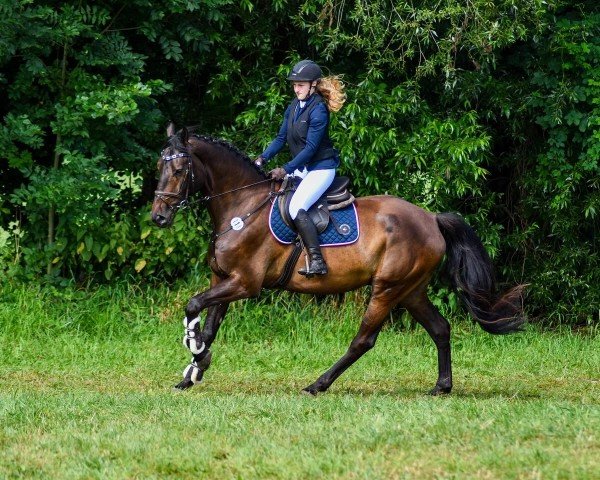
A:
(178, 172)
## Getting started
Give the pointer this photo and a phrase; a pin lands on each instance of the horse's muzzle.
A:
(161, 220)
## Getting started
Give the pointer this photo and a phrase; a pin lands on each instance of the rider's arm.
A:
(279, 141)
(317, 128)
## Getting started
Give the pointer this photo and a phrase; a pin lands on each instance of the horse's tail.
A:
(471, 273)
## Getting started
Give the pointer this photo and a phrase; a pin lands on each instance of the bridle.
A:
(187, 181)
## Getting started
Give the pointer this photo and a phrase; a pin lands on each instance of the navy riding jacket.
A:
(305, 130)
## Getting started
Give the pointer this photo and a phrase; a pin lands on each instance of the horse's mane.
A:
(230, 147)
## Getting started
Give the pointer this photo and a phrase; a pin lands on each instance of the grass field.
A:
(85, 392)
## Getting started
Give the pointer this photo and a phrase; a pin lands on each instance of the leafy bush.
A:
(487, 108)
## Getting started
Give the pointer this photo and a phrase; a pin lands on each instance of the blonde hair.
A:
(332, 90)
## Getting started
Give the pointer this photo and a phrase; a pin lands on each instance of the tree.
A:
(486, 108)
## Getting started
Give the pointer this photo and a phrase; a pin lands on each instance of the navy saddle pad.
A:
(345, 218)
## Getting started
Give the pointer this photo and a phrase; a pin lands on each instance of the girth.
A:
(337, 196)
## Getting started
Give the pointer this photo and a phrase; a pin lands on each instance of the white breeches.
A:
(310, 190)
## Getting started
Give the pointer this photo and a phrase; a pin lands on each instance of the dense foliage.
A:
(491, 109)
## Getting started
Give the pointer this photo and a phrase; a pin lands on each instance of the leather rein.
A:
(184, 202)
(189, 179)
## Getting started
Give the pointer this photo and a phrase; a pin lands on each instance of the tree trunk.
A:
(56, 163)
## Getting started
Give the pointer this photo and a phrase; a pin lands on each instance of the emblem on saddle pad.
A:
(344, 229)
(334, 215)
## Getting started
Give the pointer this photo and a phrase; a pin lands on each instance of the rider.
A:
(305, 129)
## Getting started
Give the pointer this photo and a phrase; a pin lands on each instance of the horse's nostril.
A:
(160, 220)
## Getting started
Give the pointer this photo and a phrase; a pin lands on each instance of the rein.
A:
(189, 172)
(237, 223)
(207, 198)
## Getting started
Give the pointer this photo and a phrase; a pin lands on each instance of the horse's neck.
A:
(221, 175)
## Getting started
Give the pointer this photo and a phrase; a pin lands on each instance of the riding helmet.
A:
(305, 71)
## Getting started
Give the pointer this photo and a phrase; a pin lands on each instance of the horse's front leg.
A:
(217, 300)
(199, 342)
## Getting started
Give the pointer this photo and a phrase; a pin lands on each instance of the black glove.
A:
(277, 173)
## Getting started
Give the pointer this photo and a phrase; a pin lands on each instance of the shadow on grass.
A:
(412, 392)
(153, 382)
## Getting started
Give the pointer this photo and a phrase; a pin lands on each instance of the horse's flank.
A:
(387, 225)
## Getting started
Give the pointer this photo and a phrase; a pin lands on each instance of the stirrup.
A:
(319, 269)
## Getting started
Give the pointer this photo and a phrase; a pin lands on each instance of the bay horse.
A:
(398, 251)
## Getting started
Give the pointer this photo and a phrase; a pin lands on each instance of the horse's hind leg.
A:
(377, 311)
(424, 312)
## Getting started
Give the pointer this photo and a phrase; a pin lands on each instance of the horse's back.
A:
(398, 219)
(406, 235)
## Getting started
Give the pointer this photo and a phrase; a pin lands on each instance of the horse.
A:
(399, 249)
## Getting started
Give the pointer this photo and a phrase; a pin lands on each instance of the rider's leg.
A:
(308, 232)
(311, 188)
(309, 191)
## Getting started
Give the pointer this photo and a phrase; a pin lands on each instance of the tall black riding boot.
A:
(308, 233)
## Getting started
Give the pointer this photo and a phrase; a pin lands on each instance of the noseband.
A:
(187, 181)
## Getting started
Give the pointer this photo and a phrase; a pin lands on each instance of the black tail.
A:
(471, 273)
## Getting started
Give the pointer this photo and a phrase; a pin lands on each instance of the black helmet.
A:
(305, 71)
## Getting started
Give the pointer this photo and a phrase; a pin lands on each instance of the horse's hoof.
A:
(438, 390)
(183, 385)
(310, 390)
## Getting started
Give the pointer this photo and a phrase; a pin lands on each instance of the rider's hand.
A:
(277, 173)
(259, 162)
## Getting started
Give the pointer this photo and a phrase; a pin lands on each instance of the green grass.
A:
(85, 392)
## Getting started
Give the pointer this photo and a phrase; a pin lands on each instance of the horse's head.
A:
(191, 163)
(176, 177)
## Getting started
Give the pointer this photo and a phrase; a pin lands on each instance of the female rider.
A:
(305, 130)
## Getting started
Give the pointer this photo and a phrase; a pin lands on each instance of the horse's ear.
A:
(170, 129)
(185, 135)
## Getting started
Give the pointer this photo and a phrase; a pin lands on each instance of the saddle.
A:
(336, 197)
